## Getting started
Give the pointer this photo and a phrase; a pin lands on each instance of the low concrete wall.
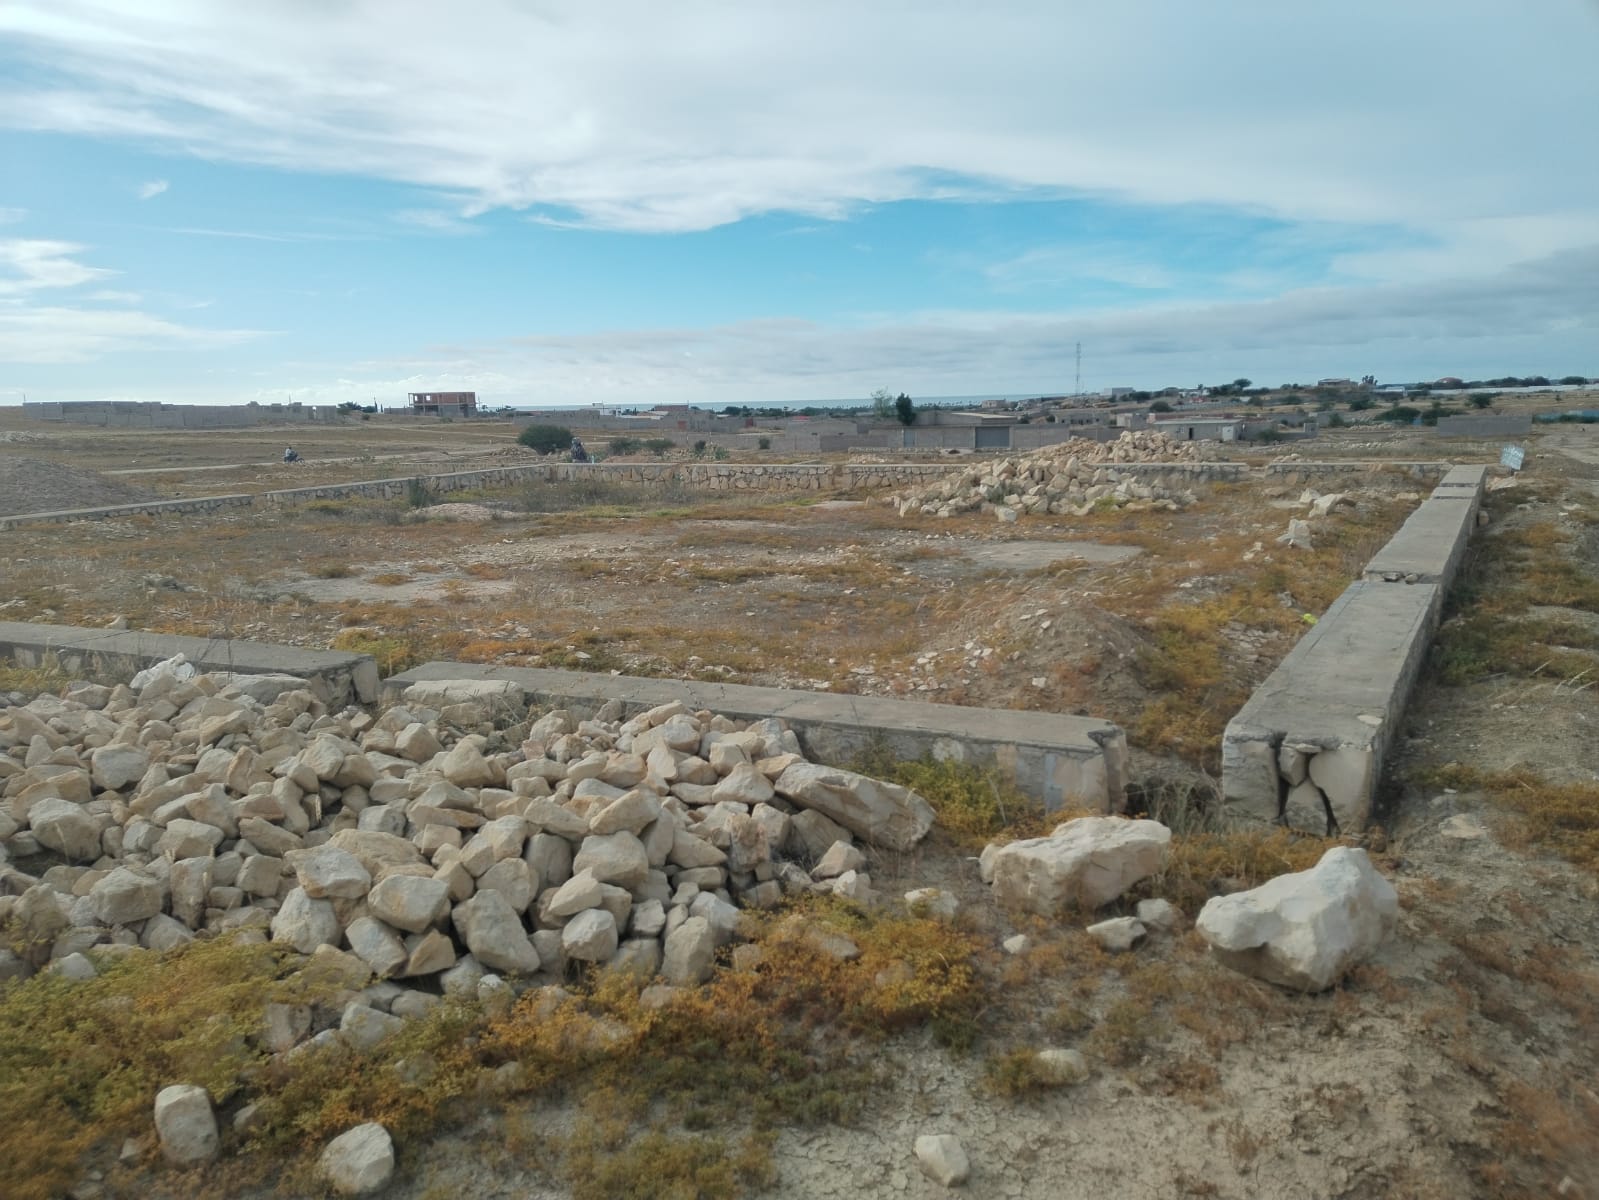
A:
(1307, 749)
(718, 477)
(109, 655)
(1061, 760)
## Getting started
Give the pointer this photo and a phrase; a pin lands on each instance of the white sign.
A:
(1512, 457)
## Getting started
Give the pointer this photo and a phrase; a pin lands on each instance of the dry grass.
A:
(1553, 818)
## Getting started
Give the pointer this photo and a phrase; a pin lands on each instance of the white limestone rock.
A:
(410, 902)
(941, 1155)
(185, 1125)
(359, 1161)
(690, 953)
(493, 932)
(305, 923)
(618, 858)
(66, 828)
(1087, 862)
(1305, 930)
(590, 936)
(328, 873)
(1118, 935)
(885, 814)
(126, 895)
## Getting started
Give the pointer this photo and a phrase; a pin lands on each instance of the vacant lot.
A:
(1459, 1063)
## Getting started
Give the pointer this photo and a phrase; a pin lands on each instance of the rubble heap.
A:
(421, 845)
(1074, 477)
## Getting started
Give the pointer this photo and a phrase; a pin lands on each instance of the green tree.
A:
(1480, 400)
(546, 439)
(1241, 384)
(905, 409)
(1161, 406)
(882, 404)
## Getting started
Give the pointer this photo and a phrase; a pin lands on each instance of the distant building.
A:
(1449, 381)
(1338, 383)
(1116, 393)
(443, 404)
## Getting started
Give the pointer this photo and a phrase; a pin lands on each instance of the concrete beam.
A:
(337, 678)
(1307, 748)
(1430, 544)
(1059, 759)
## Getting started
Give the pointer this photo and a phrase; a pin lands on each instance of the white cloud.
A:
(34, 264)
(58, 334)
(644, 116)
(149, 191)
(1542, 317)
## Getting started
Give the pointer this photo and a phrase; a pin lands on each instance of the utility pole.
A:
(1079, 370)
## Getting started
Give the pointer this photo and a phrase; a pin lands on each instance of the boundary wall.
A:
(721, 477)
(1308, 747)
(1059, 759)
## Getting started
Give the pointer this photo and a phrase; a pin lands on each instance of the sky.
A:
(617, 202)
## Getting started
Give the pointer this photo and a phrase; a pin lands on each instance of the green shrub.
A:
(659, 446)
(624, 445)
(546, 439)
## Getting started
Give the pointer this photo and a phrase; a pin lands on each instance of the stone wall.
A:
(719, 477)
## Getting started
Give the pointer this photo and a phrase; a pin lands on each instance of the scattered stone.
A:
(1118, 935)
(883, 813)
(1061, 1067)
(1160, 915)
(1304, 930)
(186, 1125)
(359, 1161)
(1089, 862)
(943, 1159)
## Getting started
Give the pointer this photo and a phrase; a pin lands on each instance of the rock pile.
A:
(422, 845)
(1074, 477)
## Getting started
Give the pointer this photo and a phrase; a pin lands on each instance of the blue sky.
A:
(624, 202)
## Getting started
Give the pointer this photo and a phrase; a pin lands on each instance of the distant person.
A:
(579, 455)
(290, 454)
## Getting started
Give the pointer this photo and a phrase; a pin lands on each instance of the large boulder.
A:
(185, 1124)
(492, 931)
(360, 1161)
(1087, 862)
(1305, 930)
(885, 814)
(64, 827)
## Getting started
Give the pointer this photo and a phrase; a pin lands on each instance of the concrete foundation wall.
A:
(1307, 749)
(1064, 761)
(111, 656)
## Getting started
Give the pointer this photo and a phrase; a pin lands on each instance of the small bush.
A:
(546, 439)
(417, 494)
(659, 446)
(699, 448)
(624, 445)
(763, 443)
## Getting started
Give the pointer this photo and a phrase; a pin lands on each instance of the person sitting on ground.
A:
(579, 455)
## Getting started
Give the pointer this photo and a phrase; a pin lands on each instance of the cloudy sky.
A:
(611, 201)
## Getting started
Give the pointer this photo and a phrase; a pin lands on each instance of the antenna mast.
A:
(1079, 370)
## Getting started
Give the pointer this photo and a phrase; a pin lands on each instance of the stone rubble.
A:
(423, 845)
(1306, 930)
(1087, 862)
(943, 1159)
(1074, 477)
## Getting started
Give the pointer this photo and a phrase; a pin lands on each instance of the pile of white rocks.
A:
(417, 851)
(1074, 477)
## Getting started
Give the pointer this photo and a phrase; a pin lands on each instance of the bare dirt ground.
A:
(1460, 1062)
